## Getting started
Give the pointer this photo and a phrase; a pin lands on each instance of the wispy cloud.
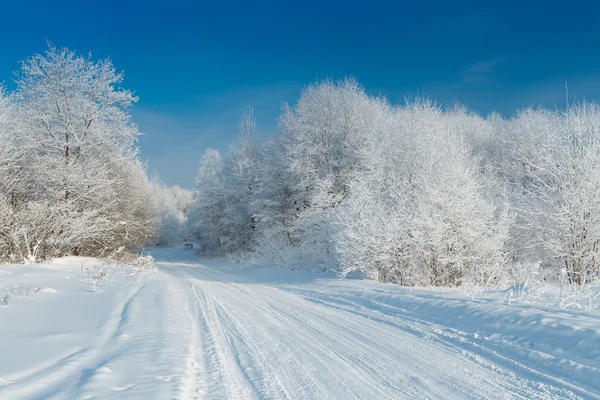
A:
(480, 71)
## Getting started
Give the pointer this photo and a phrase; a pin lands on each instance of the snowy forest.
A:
(415, 194)
(71, 178)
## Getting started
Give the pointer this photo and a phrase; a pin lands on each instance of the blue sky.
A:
(196, 65)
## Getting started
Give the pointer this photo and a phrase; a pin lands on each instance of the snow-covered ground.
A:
(206, 329)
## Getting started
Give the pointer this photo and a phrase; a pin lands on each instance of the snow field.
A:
(207, 329)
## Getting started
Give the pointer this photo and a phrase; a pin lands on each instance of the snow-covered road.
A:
(193, 330)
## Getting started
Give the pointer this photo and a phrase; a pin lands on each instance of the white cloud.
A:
(480, 71)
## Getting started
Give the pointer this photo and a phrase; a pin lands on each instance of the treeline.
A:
(71, 180)
(414, 194)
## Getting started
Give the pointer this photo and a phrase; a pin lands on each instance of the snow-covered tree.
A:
(240, 174)
(73, 109)
(460, 230)
(7, 150)
(555, 171)
(76, 160)
(322, 135)
(206, 211)
(419, 213)
(222, 213)
(374, 228)
(275, 207)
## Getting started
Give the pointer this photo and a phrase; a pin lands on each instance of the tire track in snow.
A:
(272, 343)
(302, 332)
(254, 344)
(366, 361)
(222, 366)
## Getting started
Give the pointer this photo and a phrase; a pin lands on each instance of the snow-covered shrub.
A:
(277, 251)
(143, 264)
(5, 299)
(40, 230)
(19, 291)
(575, 295)
(526, 283)
(95, 276)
